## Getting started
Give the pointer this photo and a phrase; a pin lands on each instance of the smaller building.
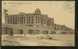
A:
(62, 29)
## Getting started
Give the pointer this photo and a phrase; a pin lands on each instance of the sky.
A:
(63, 12)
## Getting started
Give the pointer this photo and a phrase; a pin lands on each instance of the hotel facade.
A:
(33, 23)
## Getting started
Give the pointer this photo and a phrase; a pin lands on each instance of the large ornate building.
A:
(32, 23)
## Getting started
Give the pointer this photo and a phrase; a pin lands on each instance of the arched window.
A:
(20, 31)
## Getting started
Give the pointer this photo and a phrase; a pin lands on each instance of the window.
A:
(9, 31)
(53, 32)
(32, 19)
(24, 19)
(20, 31)
(30, 31)
(37, 31)
(45, 32)
(21, 19)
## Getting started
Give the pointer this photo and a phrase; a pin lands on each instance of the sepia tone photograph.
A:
(38, 23)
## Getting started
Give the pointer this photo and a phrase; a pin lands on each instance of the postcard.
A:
(38, 23)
